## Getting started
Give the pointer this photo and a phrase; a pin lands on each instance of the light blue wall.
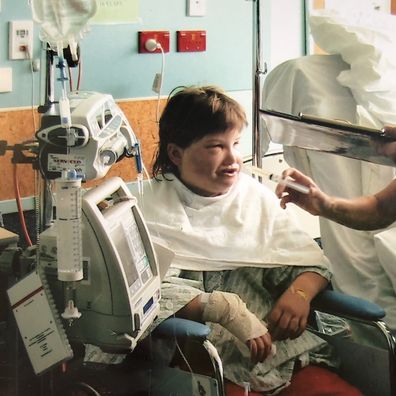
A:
(111, 63)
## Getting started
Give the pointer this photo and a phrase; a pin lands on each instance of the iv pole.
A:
(258, 71)
(46, 203)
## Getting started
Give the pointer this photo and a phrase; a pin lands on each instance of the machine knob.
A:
(108, 157)
(136, 321)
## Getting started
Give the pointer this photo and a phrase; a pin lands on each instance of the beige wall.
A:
(17, 126)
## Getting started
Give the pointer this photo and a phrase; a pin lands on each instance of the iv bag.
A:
(63, 22)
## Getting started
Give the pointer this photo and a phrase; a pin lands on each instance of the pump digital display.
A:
(130, 248)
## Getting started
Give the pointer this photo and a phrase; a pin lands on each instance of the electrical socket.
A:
(20, 40)
(191, 40)
(161, 37)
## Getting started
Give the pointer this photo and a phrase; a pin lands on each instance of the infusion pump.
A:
(118, 297)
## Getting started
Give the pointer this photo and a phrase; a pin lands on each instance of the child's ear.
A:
(175, 153)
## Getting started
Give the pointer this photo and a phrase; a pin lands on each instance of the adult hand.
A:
(315, 202)
(260, 348)
(288, 318)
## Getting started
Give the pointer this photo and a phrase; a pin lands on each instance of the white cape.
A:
(242, 228)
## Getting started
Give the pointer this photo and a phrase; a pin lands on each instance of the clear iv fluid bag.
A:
(63, 22)
(68, 227)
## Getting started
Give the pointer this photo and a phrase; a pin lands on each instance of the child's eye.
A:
(215, 146)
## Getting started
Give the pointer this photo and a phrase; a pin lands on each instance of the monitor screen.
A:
(130, 248)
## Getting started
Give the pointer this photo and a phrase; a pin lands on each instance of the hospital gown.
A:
(258, 266)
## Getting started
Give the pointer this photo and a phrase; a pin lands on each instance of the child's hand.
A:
(260, 348)
(288, 317)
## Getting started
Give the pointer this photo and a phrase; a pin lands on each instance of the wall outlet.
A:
(191, 40)
(161, 37)
(20, 40)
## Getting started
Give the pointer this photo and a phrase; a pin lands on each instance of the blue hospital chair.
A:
(366, 350)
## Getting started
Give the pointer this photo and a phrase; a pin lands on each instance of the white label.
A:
(60, 162)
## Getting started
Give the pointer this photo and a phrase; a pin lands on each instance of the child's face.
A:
(210, 166)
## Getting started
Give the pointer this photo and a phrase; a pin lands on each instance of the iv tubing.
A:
(79, 75)
(139, 167)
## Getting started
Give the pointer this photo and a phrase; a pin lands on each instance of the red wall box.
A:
(191, 40)
(161, 37)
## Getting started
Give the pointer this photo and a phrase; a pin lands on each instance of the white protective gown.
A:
(360, 260)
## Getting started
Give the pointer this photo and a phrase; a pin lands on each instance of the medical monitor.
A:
(120, 291)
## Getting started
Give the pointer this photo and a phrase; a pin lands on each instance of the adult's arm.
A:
(361, 213)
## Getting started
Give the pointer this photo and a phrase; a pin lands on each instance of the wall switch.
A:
(20, 40)
(5, 79)
(196, 7)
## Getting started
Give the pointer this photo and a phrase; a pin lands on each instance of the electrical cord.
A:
(70, 78)
(152, 45)
(79, 76)
(15, 169)
(20, 208)
(30, 58)
(161, 82)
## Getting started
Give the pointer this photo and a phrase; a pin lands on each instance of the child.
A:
(229, 235)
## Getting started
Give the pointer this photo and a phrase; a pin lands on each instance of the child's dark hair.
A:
(190, 114)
